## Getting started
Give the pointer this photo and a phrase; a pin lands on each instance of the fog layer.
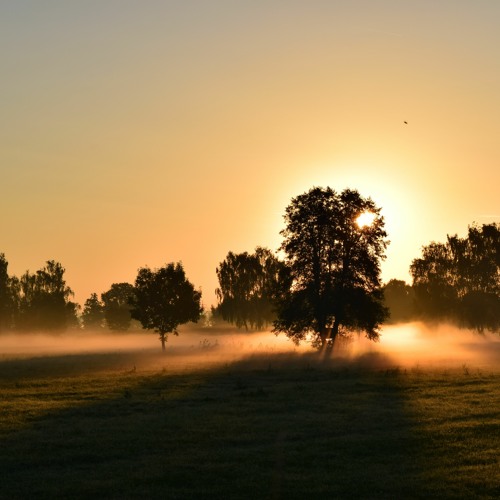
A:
(409, 345)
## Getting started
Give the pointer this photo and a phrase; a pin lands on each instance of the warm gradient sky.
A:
(143, 132)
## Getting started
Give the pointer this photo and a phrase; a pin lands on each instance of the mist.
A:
(405, 346)
(416, 344)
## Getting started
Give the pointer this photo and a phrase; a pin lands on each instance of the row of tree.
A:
(327, 286)
(459, 280)
(38, 301)
(42, 301)
(160, 300)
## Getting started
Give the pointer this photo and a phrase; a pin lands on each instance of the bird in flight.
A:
(406, 123)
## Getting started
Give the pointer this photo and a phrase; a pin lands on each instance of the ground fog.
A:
(410, 345)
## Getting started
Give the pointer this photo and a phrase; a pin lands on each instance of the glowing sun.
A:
(365, 219)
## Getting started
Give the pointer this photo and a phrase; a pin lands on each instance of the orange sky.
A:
(139, 133)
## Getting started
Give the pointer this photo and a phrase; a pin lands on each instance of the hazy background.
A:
(139, 133)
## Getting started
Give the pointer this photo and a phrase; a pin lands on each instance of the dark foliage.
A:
(460, 280)
(117, 306)
(399, 298)
(247, 286)
(165, 299)
(334, 267)
(93, 313)
(43, 299)
(7, 300)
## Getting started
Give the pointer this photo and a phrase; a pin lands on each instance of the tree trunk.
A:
(328, 335)
(163, 341)
(324, 335)
(335, 330)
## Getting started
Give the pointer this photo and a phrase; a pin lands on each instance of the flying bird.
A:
(406, 123)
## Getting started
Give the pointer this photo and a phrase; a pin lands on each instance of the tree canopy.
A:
(334, 263)
(247, 284)
(459, 280)
(164, 299)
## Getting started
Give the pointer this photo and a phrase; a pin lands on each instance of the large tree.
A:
(247, 284)
(117, 306)
(459, 280)
(334, 243)
(164, 299)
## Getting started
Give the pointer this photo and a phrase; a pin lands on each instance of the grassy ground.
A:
(95, 426)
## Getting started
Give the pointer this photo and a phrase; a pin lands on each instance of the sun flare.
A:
(365, 219)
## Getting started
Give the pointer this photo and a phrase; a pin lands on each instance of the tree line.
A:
(457, 281)
(36, 301)
(160, 300)
(323, 284)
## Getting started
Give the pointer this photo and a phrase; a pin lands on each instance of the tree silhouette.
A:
(44, 299)
(164, 299)
(460, 280)
(335, 267)
(247, 284)
(117, 306)
(93, 313)
(7, 300)
(435, 294)
(39, 301)
(399, 299)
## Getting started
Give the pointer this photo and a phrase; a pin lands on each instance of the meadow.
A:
(270, 422)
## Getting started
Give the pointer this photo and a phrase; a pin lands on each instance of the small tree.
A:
(334, 244)
(165, 299)
(117, 306)
(93, 313)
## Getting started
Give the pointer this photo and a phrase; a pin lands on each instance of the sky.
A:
(137, 133)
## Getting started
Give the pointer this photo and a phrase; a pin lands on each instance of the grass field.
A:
(136, 424)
